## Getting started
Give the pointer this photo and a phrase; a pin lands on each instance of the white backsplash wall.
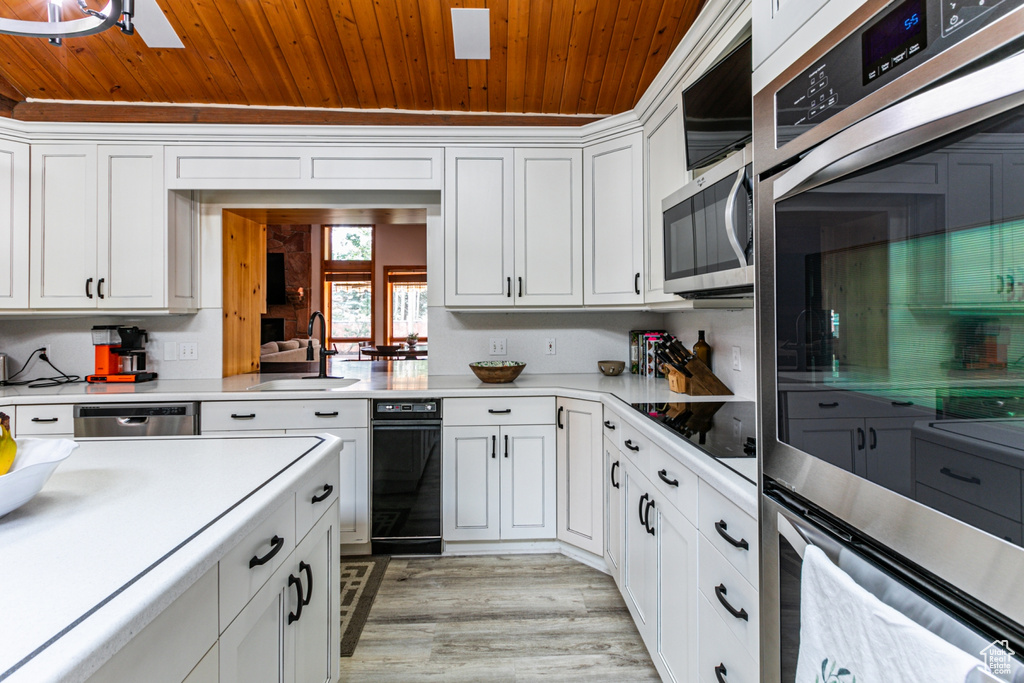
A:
(581, 339)
(71, 350)
(722, 330)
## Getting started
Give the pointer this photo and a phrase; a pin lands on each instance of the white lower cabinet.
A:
(613, 525)
(288, 631)
(580, 474)
(659, 575)
(498, 483)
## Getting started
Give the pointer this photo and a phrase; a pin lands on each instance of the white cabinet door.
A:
(665, 173)
(478, 241)
(677, 592)
(548, 227)
(639, 553)
(613, 509)
(315, 634)
(776, 20)
(14, 226)
(613, 237)
(580, 474)
(354, 489)
(252, 647)
(974, 210)
(132, 243)
(527, 482)
(63, 227)
(470, 484)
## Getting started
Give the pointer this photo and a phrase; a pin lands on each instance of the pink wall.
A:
(396, 245)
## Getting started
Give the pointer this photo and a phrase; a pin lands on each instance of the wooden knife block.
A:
(702, 382)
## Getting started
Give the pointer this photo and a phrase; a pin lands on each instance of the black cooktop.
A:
(720, 429)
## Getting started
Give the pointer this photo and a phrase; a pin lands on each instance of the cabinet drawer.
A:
(994, 524)
(714, 572)
(238, 580)
(309, 414)
(168, 648)
(635, 446)
(612, 426)
(316, 495)
(718, 517)
(499, 411)
(44, 420)
(719, 648)
(675, 482)
(978, 481)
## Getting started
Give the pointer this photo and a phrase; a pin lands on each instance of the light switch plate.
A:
(188, 351)
(170, 351)
(497, 347)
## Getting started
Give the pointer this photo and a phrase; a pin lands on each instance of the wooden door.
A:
(548, 227)
(527, 455)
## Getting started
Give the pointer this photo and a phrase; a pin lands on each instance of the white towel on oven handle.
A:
(846, 632)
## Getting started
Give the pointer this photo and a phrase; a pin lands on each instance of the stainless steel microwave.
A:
(708, 235)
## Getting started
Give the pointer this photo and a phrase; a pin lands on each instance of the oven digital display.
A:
(897, 37)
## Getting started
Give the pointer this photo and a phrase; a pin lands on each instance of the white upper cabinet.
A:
(478, 238)
(99, 231)
(14, 157)
(63, 232)
(131, 237)
(774, 21)
(548, 227)
(613, 236)
(666, 173)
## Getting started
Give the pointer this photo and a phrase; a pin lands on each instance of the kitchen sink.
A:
(312, 384)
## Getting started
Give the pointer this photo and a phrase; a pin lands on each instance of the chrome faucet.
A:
(322, 373)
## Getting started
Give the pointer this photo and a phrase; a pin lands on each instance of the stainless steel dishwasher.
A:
(122, 420)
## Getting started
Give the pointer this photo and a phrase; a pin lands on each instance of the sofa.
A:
(291, 351)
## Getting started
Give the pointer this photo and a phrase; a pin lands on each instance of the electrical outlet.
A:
(736, 362)
(188, 350)
(170, 351)
(549, 346)
(497, 346)
(46, 351)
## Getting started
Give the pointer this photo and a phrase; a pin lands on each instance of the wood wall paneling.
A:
(245, 267)
(570, 57)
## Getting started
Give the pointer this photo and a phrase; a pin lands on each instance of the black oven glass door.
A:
(406, 480)
(899, 323)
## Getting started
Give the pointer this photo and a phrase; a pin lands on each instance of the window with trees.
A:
(348, 285)
(407, 303)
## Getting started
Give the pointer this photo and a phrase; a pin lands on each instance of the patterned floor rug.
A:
(360, 578)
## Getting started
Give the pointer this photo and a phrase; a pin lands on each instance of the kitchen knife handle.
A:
(721, 526)
(328, 490)
(720, 593)
(88, 288)
(297, 614)
(276, 543)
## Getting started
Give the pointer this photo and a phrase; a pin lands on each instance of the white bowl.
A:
(34, 463)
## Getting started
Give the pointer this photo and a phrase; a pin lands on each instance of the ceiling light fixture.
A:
(55, 28)
(471, 31)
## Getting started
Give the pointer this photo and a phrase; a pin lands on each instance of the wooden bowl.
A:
(497, 371)
(611, 368)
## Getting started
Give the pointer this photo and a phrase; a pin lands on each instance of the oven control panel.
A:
(408, 409)
(904, 35)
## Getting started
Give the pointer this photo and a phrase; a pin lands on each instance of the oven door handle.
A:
(916, 120)
(730, 217)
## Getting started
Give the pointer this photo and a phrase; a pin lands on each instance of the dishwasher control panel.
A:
(419, 409)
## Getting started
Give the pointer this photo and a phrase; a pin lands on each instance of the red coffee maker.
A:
(120, 354)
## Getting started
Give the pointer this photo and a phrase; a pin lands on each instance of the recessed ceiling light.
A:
(471, 29)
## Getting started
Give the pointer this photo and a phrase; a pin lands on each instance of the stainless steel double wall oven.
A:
(889, 163)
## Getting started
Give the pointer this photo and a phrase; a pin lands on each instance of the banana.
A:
(8, 447)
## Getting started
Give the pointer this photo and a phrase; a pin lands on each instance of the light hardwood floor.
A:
(498, 618)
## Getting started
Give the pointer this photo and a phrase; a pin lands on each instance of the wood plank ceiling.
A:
(553, 59)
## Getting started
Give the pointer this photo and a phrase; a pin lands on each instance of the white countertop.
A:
(122, 529)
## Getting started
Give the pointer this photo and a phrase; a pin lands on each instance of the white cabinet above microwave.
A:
(708, 234)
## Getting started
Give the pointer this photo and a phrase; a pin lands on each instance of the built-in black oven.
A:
(890, 254)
